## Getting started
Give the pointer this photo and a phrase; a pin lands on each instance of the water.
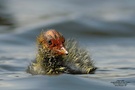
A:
(105, 28)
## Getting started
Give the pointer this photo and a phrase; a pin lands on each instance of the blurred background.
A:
(106, 28)
(110, 15)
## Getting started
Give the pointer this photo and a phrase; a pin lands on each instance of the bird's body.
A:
(57, 55)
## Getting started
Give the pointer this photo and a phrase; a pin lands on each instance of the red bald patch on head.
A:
(54, 37)
(55, 41)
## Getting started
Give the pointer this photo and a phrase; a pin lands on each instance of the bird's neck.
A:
(45, 55)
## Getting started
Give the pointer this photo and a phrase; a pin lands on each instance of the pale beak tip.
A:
(66, 53)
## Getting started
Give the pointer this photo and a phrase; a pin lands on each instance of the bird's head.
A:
(54, 41)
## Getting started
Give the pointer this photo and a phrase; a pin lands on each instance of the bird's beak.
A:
(63, 51)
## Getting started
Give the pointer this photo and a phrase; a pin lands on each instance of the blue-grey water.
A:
(106, 28)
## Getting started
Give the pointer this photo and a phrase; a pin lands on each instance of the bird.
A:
(57, 55)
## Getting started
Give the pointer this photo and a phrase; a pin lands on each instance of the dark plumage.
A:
(57, 55)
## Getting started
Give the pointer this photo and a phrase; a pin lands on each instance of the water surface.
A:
(105, 28)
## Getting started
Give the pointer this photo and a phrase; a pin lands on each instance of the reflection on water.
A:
(105, 28)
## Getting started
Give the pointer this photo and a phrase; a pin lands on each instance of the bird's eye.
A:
(50, 42)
